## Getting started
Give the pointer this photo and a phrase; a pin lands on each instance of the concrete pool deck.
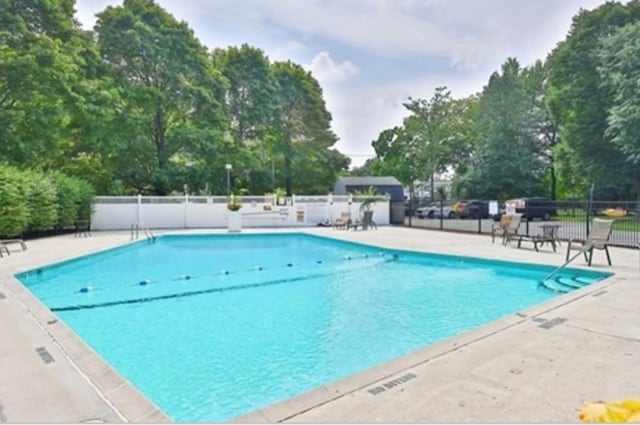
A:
(538, 365)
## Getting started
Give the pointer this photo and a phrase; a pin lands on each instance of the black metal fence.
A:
(573, 217)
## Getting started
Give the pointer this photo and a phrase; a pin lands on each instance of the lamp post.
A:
(228, 167)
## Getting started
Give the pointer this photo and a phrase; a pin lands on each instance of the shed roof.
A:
(370, 181)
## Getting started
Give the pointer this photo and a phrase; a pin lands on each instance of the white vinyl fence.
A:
(183, 212)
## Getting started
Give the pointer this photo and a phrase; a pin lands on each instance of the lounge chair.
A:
(343, 222)
(598, 239)
(508, 228)
(5, 242)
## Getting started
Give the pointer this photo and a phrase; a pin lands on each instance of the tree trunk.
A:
(160, 186)
(433, 188)
(287, 166)
(554, 182)
(637, 196)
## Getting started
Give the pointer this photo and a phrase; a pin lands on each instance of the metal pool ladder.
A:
(146, 232)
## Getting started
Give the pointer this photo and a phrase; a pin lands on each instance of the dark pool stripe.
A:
(201, 292)
(186, 294)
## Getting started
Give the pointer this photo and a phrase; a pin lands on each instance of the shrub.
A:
(68, 194)
(41, 201)
(34, 201)
(84, 202)
(14, 214)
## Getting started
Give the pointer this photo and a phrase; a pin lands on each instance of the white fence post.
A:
(186, 210)
(139, 213)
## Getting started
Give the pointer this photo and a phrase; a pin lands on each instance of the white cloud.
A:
(326, 70)
(360, 114)
(470, 33)
(401, 47)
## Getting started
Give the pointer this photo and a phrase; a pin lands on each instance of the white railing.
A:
(182, 212)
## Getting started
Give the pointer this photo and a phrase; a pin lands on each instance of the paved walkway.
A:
(538, 365)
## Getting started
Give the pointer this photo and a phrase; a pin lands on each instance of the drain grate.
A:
(552, 323)
(45, 355)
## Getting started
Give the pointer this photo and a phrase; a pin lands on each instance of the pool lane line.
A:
(204, 291)
(148, 282)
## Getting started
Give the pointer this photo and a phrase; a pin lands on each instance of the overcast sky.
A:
(371, 55)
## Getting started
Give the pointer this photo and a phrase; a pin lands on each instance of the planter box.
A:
(234, 221)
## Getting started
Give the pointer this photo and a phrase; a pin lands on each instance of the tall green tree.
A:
(248, 102)
(37, 73)
(546, 128)
(581, 102)
(398, 154)
(508, 153)
(438, 125)
(620, 71)
(301, 131)
(435, 137)
(249, 91)
(171, 106)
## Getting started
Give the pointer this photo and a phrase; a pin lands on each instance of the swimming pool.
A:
(211, 327)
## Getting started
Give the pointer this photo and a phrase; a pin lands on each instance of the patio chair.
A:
(510, 231)
(498, 229)
(367, 220)
(598, 239)
(343, 222)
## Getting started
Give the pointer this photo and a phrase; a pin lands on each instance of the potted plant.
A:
(233, 204)
(281, 196)
(234, 216)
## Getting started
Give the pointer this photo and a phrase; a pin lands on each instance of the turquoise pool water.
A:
(212, 327)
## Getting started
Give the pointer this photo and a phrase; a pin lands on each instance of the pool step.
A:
(564, 284)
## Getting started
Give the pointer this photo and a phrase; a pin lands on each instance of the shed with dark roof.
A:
(383, 185)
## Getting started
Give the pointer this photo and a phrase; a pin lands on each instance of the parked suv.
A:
(534, 207)
(474, 209)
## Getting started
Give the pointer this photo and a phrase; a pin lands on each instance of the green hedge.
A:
(37, 202)
(41, 200)
(67, 195)
(14, 212)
